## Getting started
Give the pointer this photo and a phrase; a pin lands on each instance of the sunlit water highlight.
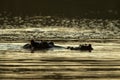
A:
(102, 63)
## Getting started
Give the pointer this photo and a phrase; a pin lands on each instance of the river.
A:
(103, 63)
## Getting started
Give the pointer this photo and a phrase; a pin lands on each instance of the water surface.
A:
(101, 64)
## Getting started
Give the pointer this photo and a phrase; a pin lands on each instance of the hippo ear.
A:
(32, 41)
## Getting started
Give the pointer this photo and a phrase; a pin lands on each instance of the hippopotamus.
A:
(44, 45)
(82, 47)
(41, 45)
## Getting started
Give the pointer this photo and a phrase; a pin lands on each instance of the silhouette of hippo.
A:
(82, 47)
(42, 45)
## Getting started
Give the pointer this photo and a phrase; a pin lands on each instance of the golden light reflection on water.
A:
(102, 63)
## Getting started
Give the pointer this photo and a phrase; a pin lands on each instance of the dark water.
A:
(60, 64)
